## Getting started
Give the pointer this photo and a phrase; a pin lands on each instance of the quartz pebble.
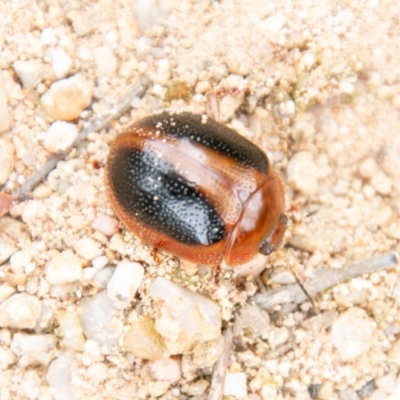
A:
(381, 183)
(166, 369)
(205, 355)
(28, 72)
(20, 311)
(61, 63)
(144, 341)
(63, 268)
(59, 377)
(352, 333)
(125, 282)
(368, 168)
(5, 120)
(33, 349)
(7, 358)
(252, 268)
(158, 388)
(6, 291)
(236, 385)
(67, 98)
(96, 316)
(394, 353)
(302, 173)
(60, 136)
(184, 318)
(7, 159)
(197, 388)
(106, 225)
(87, 248)
(11, 231)
(71, 330)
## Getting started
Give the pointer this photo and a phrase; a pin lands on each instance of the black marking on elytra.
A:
(155, 195)
(210, 134)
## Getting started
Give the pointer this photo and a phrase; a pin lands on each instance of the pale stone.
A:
(47, 37)
(197, 388)
(87, 248)
(7, 358)
(157, 389)
(7, 159)
(20, 311)
(302, 173)
(61, 63)
(125, 282)
(352, 333)
(106, 225)
(20, 259)
(71, 330)
(33, 349)
(59, 377)
(64, 268)
(271, 26)
(144, 341)
(60, 136)
(205, 355)
(382, 183)
(11, 232)
(252, 268)
(117, 244)
(96, 315)
(166, 369)
(6, 291)
(46, 318)
(105, 61)
(394, 353)
(67, 98)
(368, 168)
(29, 73)
(184, 319)
(236, 385)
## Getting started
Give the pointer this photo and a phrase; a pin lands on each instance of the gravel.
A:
(314, 84)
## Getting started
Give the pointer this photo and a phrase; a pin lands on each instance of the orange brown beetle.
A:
(189, 185)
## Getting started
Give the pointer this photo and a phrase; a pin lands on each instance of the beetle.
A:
(187, 184)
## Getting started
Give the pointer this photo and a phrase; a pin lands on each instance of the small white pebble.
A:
(302, 172)
(87, 248)
(60, 136)
(106, 225)
(67, 98)
(125, 281)
(61, 63)
(64, 268)
(346, 87)
(100, 262)
(236, 385)
(382, 183)
(368, 168)
(20, 259)
(47, 36)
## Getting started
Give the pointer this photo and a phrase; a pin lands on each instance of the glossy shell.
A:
(187, 184)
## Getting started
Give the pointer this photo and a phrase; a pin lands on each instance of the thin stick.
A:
(99, 124)
(219, 370)
(324, 279)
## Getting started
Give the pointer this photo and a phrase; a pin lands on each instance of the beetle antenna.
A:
(298, 281)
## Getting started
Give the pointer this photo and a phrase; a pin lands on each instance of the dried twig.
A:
(219, 370)
(121, 108)
(324, 279)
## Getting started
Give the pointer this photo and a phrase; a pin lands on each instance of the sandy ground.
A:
(315, 84)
